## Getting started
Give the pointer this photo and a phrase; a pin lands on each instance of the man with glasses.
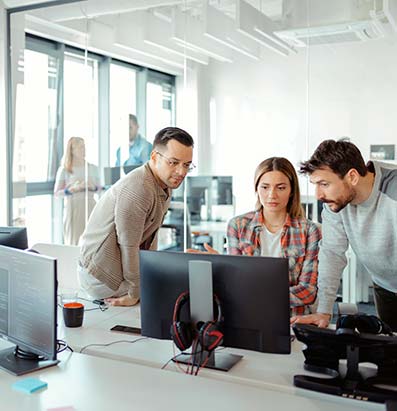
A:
(127, 218)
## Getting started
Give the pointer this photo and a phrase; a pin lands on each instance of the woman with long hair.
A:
(77, 181)
(278, 228)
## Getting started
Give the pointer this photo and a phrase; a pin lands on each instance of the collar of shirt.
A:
(136, 142)
(258, 221)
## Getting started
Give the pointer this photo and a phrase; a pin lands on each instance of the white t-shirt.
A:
(270, 243)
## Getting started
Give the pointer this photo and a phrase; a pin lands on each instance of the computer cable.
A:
(173, 358)
(26, 355)
(113, 342)
(192, 358)
(62, 346)
(103, 307)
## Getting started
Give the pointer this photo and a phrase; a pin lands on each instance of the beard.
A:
(341, 202)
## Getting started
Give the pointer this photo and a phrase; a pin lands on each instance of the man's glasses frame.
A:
(173, 163)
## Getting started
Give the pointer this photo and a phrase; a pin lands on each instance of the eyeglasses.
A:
(175, 163)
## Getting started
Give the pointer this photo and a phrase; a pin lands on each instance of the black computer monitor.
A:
(15, 237)
(28, 309)
(112, 174)
(254, 294)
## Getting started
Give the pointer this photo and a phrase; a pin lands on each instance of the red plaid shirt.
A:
(299, 243)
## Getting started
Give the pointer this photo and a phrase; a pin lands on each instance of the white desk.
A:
(96, 384)
(260, 370)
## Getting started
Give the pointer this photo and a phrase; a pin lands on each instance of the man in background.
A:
(127, 218)
(139, 147)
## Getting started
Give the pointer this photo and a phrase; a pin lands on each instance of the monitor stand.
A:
(14, 364)
(201, 310)
(216, 361)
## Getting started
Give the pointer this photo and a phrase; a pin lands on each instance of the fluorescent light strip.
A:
(195, 47)
(178, 53)
(232, 46)
(135, 50)
(275, 39)
(260, 28)
(222, 29)
(189, 32)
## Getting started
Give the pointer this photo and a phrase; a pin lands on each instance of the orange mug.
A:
(73, 314)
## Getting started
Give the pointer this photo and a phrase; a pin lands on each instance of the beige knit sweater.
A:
(125, 220)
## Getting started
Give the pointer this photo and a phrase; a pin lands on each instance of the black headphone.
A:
(209, 334)
(361, 323)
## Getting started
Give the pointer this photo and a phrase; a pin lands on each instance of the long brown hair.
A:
(294, 208)
(68, 156)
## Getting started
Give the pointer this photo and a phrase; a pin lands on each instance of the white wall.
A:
(3, 114)
(286, 106)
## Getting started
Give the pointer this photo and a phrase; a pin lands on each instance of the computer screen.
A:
(28, 307)
(253, 291)
(15, 237)
(112, 174)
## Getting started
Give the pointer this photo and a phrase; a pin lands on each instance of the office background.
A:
(80, 67)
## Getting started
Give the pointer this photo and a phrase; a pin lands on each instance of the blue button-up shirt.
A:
(139, 152)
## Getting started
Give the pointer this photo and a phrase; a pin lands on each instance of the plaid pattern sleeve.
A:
(299, 243)
(233, 237)
(242, 234)
(304, 270)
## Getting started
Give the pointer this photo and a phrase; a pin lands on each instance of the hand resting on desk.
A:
(209, 249)
(320, 319)
(124, 300)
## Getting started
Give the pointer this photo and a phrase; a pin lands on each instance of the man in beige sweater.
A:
(127, 218)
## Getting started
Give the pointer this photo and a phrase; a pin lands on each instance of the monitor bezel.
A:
(279, 341)
(51, 354)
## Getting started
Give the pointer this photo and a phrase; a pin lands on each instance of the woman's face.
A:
(274, 190)
(78, 149)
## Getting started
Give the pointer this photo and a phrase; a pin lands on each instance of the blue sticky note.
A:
(29, 385)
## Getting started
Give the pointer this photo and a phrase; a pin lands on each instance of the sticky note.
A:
(29, 385)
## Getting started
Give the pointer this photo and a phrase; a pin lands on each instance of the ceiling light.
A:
(257, 26)
(189, 32)
(222, 29)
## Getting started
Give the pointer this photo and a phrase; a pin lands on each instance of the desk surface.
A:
(90, 383)
(260, 370)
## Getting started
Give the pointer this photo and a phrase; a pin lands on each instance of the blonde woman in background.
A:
(76, 182)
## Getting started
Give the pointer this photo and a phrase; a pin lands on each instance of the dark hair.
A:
(340, 156)
(283, 165)
(172, 133)
(133, 118)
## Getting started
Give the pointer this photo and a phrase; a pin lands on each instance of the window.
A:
(159, 107)
(122, 102)
(81, 102)
(35, 127)
(59, 95)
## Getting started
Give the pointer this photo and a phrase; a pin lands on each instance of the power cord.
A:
(201, 364)
(62, 346)
(114, 342)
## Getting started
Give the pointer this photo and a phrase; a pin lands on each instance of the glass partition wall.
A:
(249, 79)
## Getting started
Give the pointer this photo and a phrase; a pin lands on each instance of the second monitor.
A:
(253, 291)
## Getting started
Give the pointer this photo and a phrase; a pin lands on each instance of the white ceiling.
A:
(23, 3)
(95, 8)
